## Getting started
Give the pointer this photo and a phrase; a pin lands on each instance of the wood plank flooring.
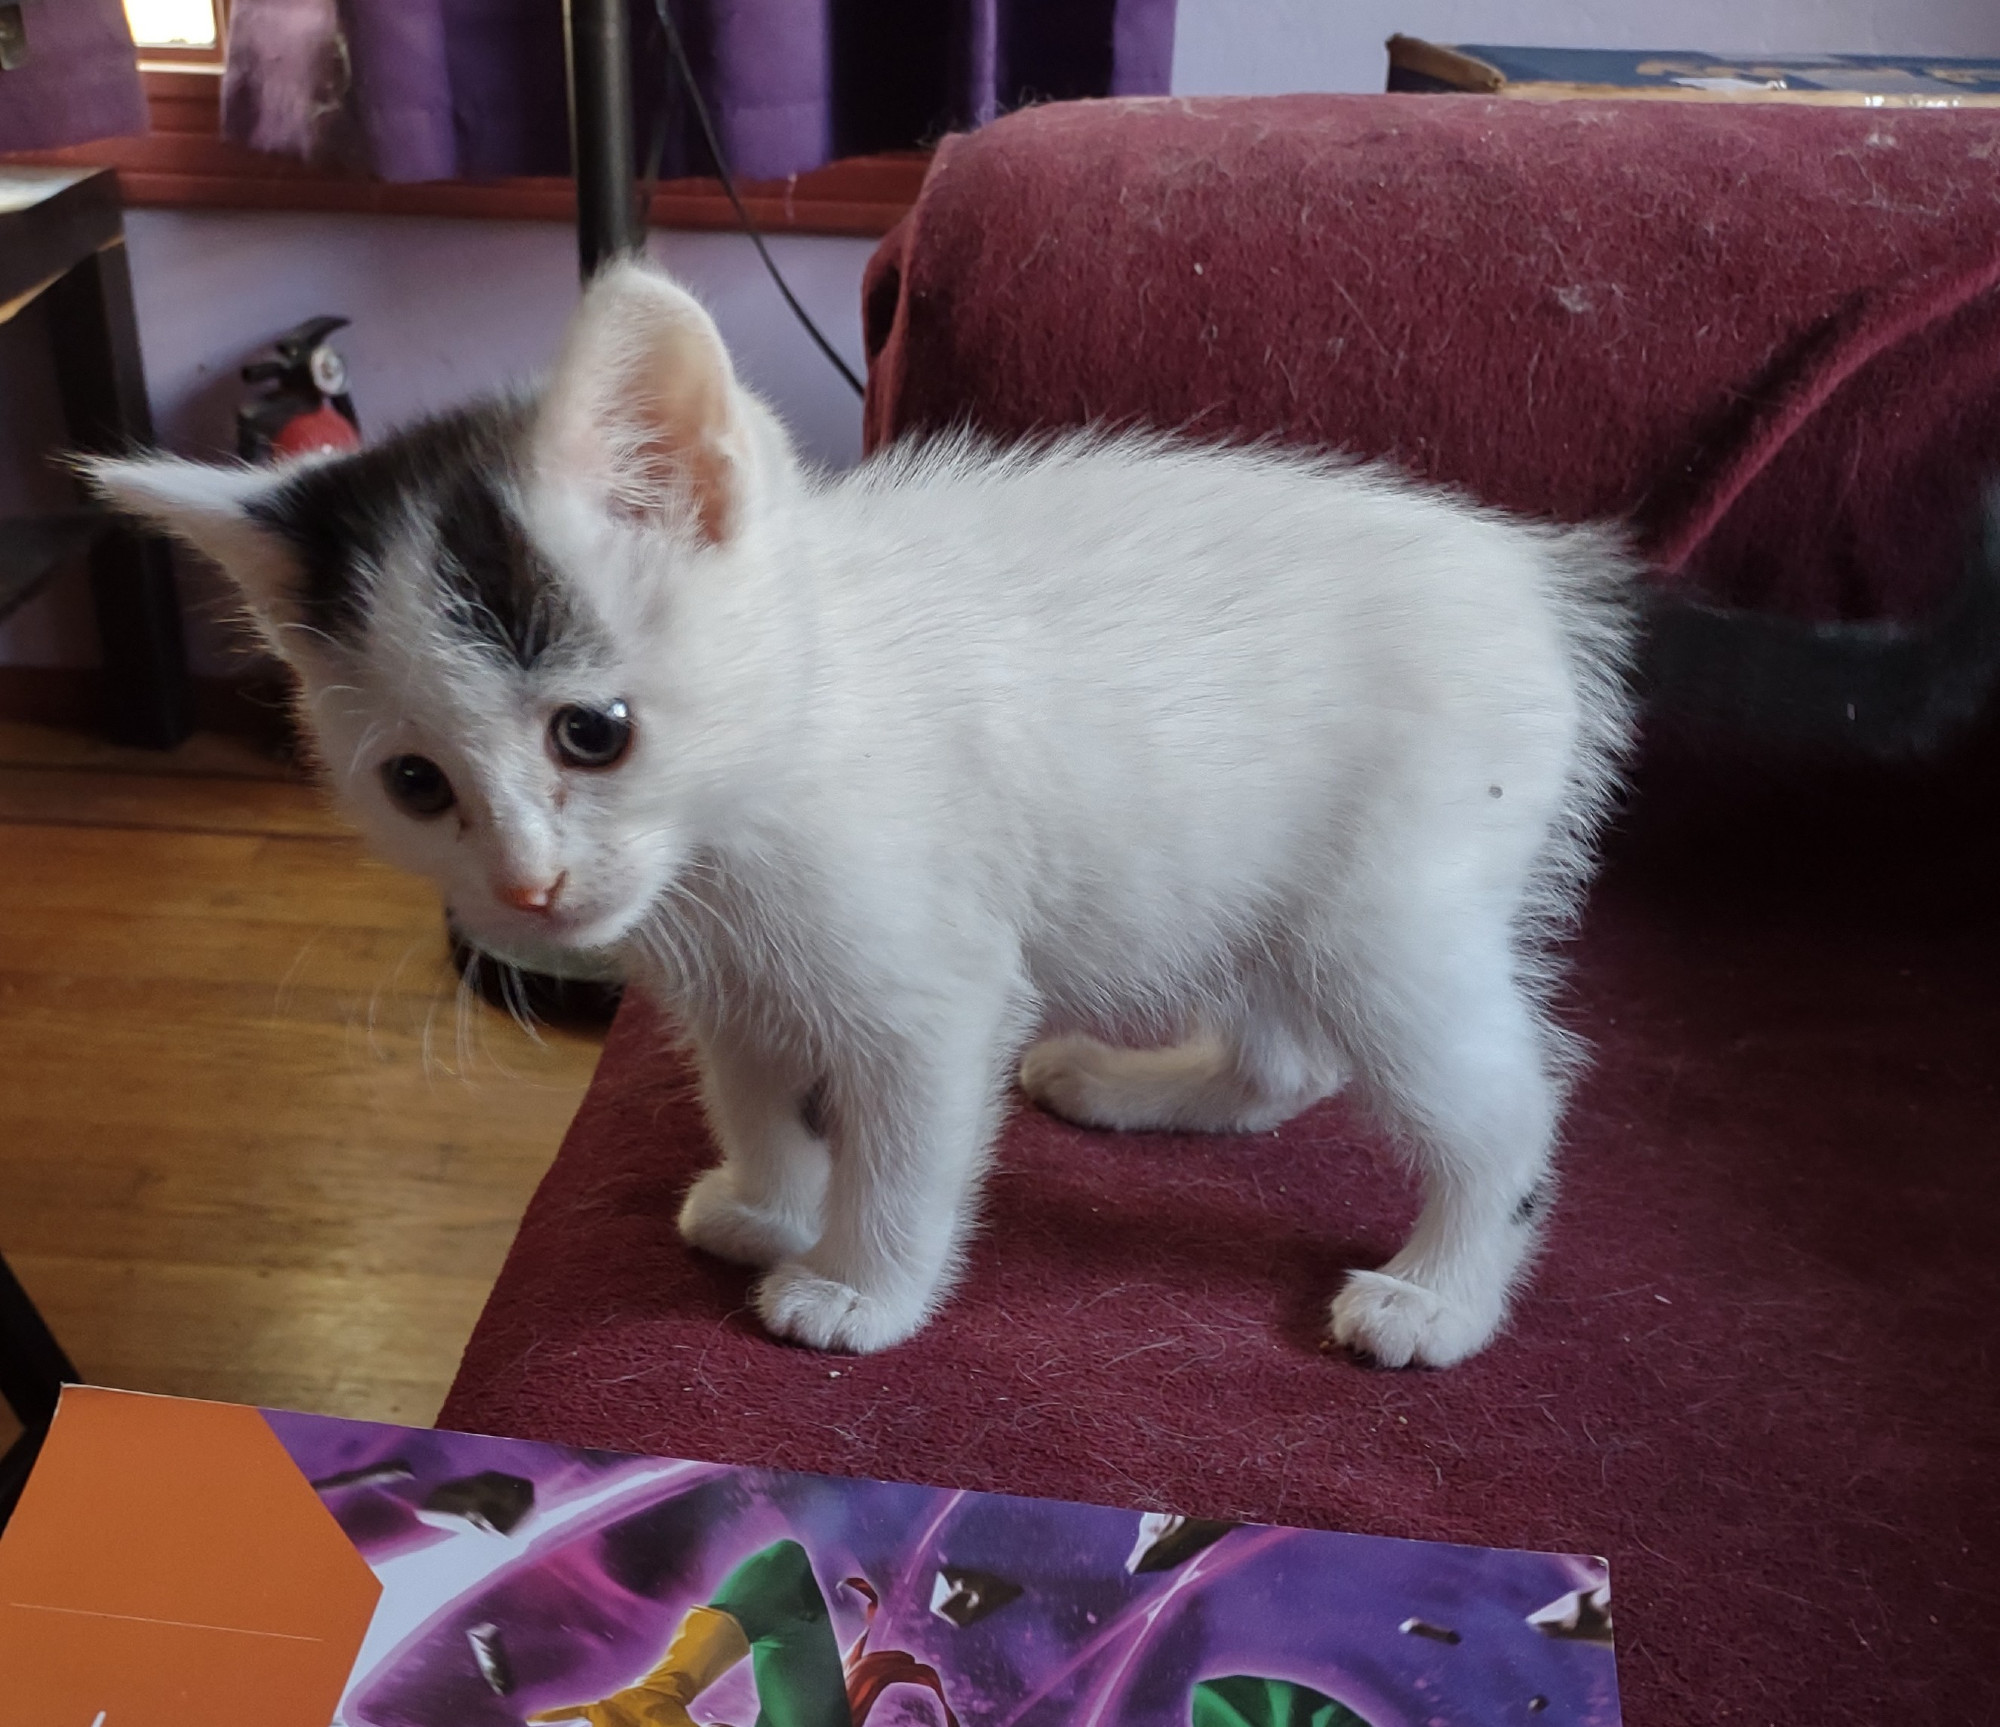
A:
(253, 1144)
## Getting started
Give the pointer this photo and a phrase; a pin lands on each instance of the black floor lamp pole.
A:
(600, 129)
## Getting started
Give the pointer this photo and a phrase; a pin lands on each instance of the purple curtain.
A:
(80, 79)
(448, 89)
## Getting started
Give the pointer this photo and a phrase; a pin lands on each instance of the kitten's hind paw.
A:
(716, 1221)
(1193, 1087)
(1395, 1322)
(1059, 1073)
(795, 1301)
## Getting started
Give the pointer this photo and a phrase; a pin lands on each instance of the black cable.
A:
(665, 120)
(722, 173)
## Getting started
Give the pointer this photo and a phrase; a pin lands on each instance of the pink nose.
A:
(530, 896)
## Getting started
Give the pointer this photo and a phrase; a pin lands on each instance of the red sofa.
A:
(1756, 1366)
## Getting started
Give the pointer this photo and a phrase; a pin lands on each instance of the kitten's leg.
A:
(762, 1203)
(911, 1127)
(1456, 1058)
(1264, 1075)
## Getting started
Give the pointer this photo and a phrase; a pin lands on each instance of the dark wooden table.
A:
(62, 242)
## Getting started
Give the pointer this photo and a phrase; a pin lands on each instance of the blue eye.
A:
(591, 737)
(416, 785)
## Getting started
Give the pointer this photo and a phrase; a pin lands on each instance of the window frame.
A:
(183, 162)
(169, 56)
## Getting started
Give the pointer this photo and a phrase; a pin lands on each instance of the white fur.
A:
(1187, 782)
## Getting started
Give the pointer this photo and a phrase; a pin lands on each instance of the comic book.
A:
(1838, 80)
(175, 1562)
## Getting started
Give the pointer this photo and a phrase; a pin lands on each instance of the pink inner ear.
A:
(646, 400)
(700, 471)
(715, 495)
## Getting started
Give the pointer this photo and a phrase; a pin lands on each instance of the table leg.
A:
(33, 1371)
(103, 382)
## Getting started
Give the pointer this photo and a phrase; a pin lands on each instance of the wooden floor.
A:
(252, 1147)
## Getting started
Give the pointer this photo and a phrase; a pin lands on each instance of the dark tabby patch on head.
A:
(440, 482)
(498, 590)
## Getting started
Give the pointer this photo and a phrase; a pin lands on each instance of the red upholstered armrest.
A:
(1770, 336)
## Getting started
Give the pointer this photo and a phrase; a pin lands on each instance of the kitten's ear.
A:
(644, 410)
(208, 507)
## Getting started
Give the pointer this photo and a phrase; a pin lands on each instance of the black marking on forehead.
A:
(497, 588)
(342, 516)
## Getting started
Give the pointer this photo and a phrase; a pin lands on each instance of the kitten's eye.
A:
(417, 786)
(591, 737)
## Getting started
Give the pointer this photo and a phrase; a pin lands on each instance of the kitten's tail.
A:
(1885, 690)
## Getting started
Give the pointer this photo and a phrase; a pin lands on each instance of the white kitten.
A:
(1230, 775)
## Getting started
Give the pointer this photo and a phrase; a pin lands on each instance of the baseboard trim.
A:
(255, 706)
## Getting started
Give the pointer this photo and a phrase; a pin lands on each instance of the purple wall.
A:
(441, 309)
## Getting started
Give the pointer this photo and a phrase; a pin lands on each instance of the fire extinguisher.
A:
(306, 407)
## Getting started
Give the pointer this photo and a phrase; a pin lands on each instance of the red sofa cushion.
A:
(1769, 335)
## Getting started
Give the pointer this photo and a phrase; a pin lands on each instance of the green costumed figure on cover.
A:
(771, 1609)
(1247, 1702)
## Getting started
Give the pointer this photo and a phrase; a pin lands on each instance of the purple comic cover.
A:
(526, 1583)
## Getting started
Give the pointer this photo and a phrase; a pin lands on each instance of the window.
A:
(176, 30)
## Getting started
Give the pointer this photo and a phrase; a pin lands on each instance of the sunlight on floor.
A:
(256, 1144)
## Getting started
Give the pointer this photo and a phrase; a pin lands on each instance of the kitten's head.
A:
(509, 624)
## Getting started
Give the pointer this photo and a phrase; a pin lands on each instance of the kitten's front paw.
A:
(797, 1302)
(1396, 1322)
(716, 1221)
